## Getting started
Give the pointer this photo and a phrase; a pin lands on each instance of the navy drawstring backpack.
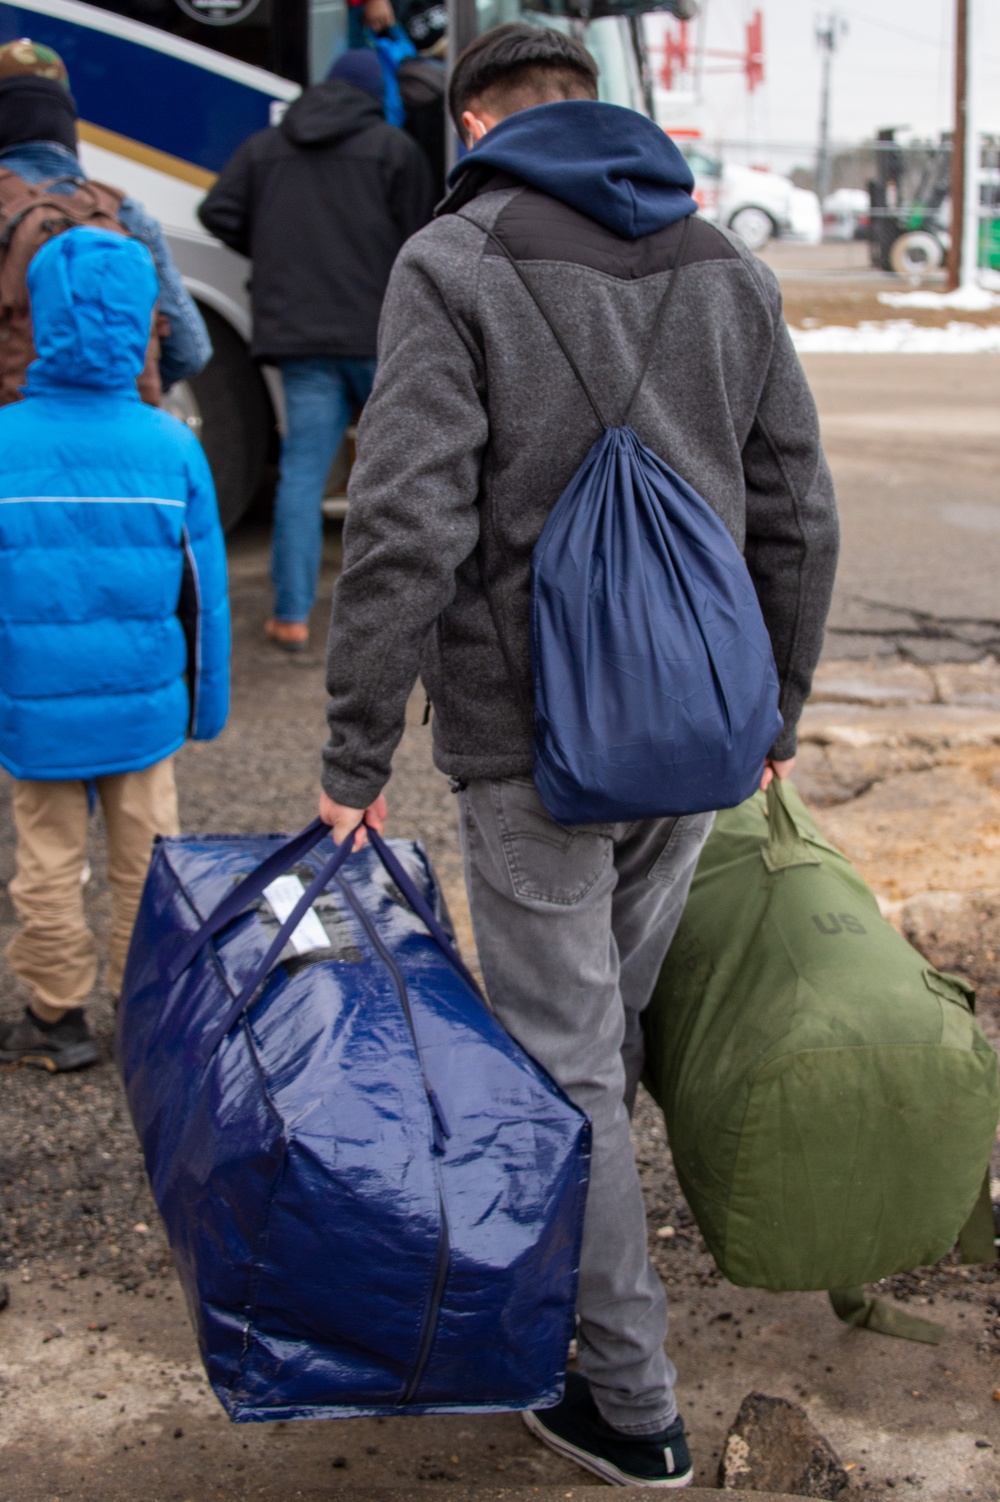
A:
(374, 1197)
(655, 689)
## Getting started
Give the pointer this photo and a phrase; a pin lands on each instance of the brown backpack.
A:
(31, 214)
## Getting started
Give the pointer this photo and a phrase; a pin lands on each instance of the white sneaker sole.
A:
(593, 1463)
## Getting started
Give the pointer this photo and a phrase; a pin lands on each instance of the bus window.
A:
(611, 45)
(610, 29)
(327, 35)
(608, 40)
(490, 13)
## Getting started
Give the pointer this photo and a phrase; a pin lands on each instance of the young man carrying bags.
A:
(475, 427)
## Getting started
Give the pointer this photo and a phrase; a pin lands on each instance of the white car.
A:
(758, 205)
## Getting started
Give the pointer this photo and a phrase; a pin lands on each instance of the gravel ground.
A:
(76, 1217)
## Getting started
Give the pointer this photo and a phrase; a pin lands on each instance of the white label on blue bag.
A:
(282, 896)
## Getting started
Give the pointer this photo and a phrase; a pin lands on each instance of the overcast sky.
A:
(893, 67)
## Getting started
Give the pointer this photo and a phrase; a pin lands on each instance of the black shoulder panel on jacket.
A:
(536, 227)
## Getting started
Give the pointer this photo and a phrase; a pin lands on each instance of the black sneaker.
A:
(574, 1428)
(55, 1046)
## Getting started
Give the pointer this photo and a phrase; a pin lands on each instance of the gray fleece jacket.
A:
(475, 415)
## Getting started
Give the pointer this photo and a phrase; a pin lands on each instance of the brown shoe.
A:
(290, 636)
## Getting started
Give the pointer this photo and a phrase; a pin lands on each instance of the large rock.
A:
(954, 930)
(773, 1447)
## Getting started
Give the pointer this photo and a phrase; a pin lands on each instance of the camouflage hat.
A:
(27, 59)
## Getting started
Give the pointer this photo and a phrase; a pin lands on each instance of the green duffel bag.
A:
(830, 1099)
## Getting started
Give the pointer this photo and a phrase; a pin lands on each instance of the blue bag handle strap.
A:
(661, 314)
(248, 890)
(318, 885)
(553, 326)
(422, 909)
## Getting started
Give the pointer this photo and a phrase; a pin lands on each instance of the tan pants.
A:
(54, 952)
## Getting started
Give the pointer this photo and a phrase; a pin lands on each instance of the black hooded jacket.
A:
(321, 204)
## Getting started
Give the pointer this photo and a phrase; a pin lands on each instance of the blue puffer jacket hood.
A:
(611, 164)
(92, 295)
(114, 619)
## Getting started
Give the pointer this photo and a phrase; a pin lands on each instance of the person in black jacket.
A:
(321, 204)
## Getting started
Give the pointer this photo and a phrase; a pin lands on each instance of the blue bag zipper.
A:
(439, 1135)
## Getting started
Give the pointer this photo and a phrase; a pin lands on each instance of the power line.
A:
(902, 31)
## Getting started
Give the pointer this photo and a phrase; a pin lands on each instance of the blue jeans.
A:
(321, 395)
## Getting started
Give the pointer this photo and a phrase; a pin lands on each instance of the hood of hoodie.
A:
(610, 163)
(330, 112)
(92, 296)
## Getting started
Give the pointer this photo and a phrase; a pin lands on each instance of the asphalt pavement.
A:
(914, 445)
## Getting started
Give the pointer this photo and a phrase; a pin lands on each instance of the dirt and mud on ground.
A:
(101, 1392)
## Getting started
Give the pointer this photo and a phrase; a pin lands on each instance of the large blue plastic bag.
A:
(360, 1225)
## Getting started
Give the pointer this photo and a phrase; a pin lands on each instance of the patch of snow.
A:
(963, 300)
(898, 336)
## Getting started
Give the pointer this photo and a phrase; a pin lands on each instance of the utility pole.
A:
(701, 42)
(963, 256)
(829, 30)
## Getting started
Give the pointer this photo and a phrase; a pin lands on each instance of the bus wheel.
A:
(228, 407)
(915, 253)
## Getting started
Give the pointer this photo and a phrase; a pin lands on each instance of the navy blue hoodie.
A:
(612, 164)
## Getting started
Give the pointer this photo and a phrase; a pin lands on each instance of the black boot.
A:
(55, 1046)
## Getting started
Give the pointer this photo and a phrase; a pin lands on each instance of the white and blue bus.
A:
(167, 90)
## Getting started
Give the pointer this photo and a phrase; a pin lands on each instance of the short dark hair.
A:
(520, 59)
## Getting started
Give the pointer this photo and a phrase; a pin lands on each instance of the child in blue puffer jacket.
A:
(114, 623)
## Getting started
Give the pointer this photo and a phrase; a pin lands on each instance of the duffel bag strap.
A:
(857, 1308)
(785, 846)
(977, 1242)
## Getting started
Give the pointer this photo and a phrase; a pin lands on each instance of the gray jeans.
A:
(572, 925)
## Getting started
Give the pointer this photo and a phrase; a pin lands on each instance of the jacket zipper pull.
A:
(428, 706)
(442, 1131)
